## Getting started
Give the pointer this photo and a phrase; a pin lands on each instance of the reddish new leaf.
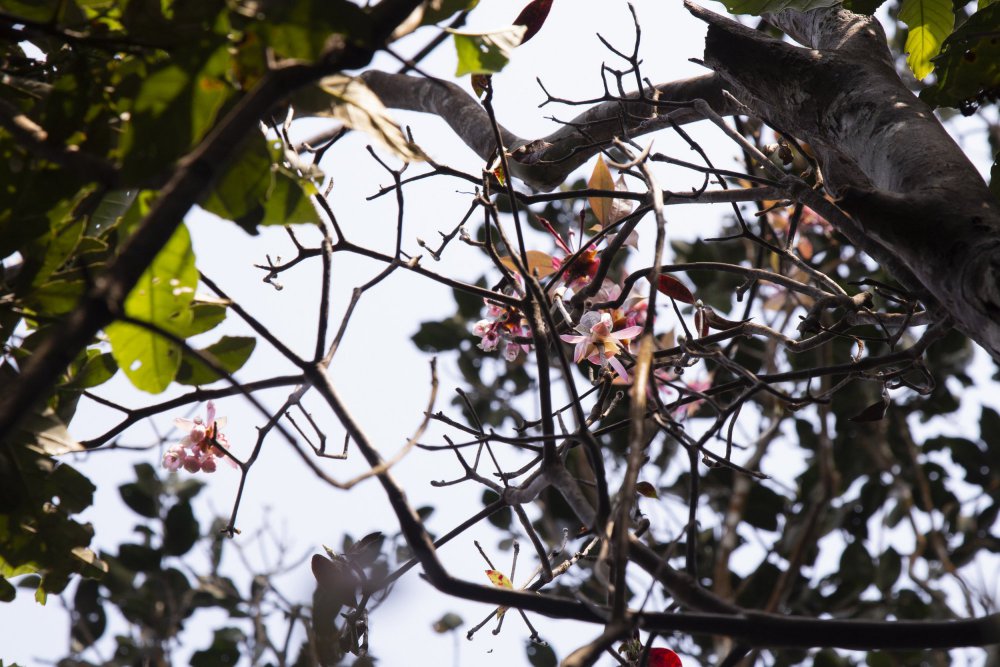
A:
(675, 289)
(532, 17)
(663, 657)
(646, 489)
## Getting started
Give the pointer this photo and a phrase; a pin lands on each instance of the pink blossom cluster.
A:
(199, 448)
(502, 325)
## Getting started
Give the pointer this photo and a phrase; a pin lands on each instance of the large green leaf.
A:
(929, 23)
(969, 63)
(758, 7)
(162, 297)
(256, 191)
(486, 52)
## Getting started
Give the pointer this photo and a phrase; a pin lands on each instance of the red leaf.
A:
(532, 17)
(663, 657)
(675, 289)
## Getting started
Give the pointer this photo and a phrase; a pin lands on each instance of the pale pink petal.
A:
(183, 424)
(220, 422)
(627, 332)
(210, 413)
(197, 434)
(619, 368)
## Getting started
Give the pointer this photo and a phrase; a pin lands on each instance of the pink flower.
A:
(503, 325)
(598, 343)
(174, 459)
(198, 449)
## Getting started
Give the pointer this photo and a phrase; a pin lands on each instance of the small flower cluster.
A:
(198, 449)
(502, 325)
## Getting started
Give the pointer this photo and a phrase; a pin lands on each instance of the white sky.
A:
(381, 375)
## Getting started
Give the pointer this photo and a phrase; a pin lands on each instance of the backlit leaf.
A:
(485, 52)
(929, 23)
(646, 489)
(355, 105)
(674, 288)
(600, 179)
(539, 263)
(162, 297)
(969, 62)
(255, 191)
(499, 579)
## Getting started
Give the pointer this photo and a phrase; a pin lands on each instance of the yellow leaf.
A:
(538, 263)
(601, 180)
(499, 579)
(929, 23)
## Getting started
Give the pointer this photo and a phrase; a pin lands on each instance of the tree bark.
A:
(893, 166)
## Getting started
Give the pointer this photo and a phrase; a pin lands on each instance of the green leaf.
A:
(225, 649)
(48, 434)
(97, 369)
(140, 500)
(302, 30)
(76, 491)
(56, 297)
(435, 11)
(867, 7)
(758, 7)
(180, 530)
(230, 352)
(969, 63)
(440, 336)
(89, 617)
(110, 211)
(140, 558)
(929, 23)
(447, 623)
(540, 654)
(162, 297)
(355, 105)
(256, 191)
(7, 590)
(486, 52)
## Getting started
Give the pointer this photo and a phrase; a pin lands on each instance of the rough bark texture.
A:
(894, 167)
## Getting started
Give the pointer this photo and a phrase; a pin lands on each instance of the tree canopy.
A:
(626, 394)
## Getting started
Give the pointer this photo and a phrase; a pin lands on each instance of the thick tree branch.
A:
(545, 163)
(898, 172)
